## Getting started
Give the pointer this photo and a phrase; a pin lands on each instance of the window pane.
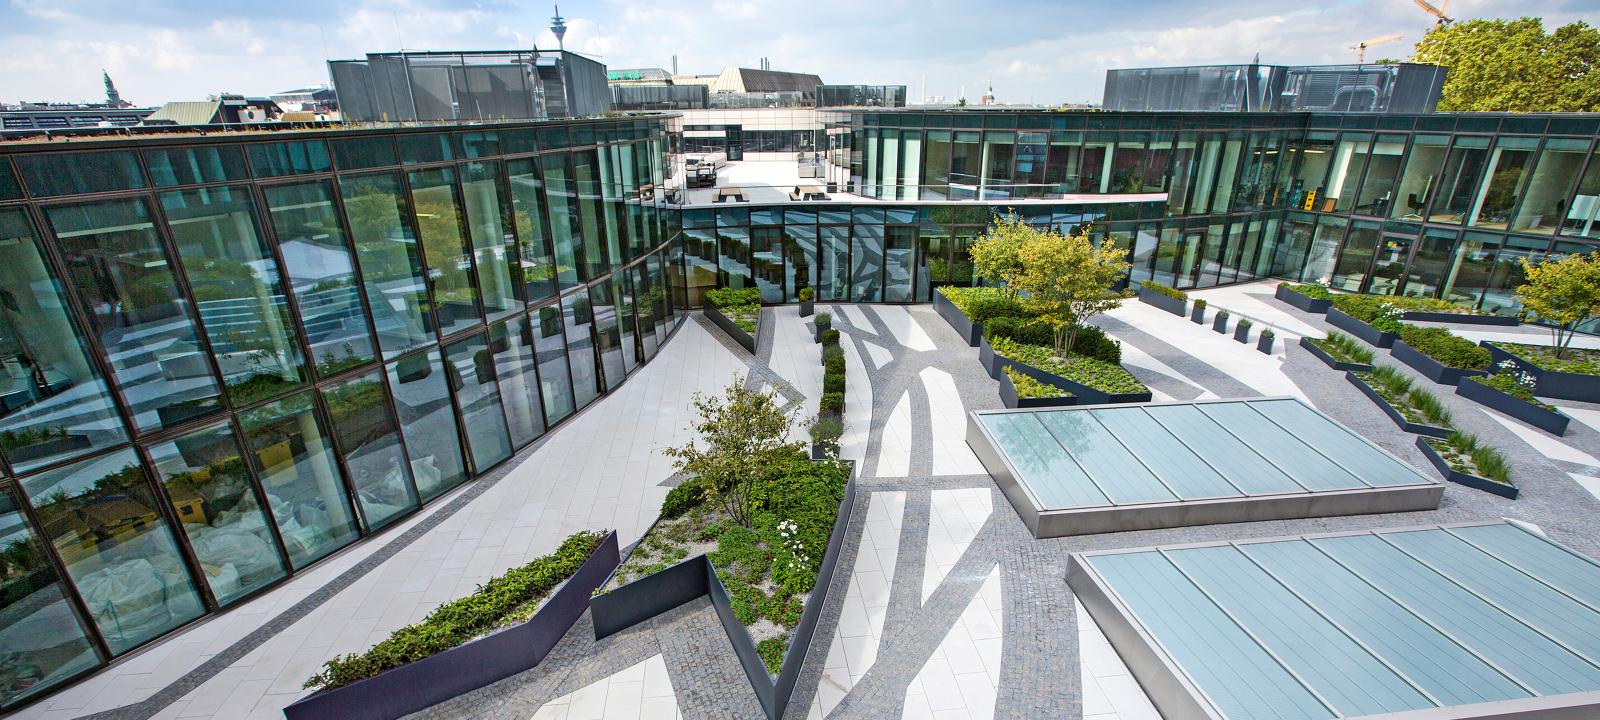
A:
(473, 370)
(1421, 177)
(867, 263)
(237, 290)
(291, 453)
(538, 269)
(10, 189)
(358, 153)
(43, 639)
(116, 262)
(511, 344)
(766, 262)
(601, 255)
(1500, 297)
(1508, 169)
(321, 274)
(446, 251)
(289, 158)
(562, 197)
(701, 259)
(1457, 184)
(1377, 191)
(607, 334)
(734, 261)
(192, 166)
(1389, 269)
(1583, 219)
(1319, 261)
(371, 448)
(1348, 161)
(422, 403)
(1545, 204)
(77, 173)
(103, 520)
(53, 401)
(581, 356)
(627, 321)
(1355, 258)
(493, 244)
(898, 259)
(554, 381)
(207, 483)
(391, 269)
(833, 262)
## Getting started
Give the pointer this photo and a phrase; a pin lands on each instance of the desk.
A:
(730, 194)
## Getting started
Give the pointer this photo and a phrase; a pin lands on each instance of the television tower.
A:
(558, 25)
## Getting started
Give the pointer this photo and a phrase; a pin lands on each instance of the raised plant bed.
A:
(968, 330)
(464, 668)
(1551, 383)
(659, 592)
(994, 362)
(1219, 324)
(1329, 360)
(817, 330)
(1302, 302)
(1168, 303)
(1010, 398)
(1197, 315)
(1460, 318)
(1264, 342)
(1367, 333)
(745, 340)
(1546, 419)
(1509, 491)
(1241, 332)
(1430, 368)
(1394, 414)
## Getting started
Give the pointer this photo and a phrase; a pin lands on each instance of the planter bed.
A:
(467, 667)
(1329, 360)
(1460, 318)
(1394, 414)
(1504, 490)
(642, 599)
(1010, 398)
(1551, 383)
(1168, 303)
(1547, 419)
(994, 362)
(968, 330)
(1366, 333)
(746, 340)
(1316, 306)
(1430, 368)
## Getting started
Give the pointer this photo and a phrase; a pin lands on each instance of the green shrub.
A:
(831, 403)
(1244, 323)
(833, 364)
(729, 297)
(1431, 408)
(830, 337)
(459, 621)
(1450, 349)
(1093, 342)
(980, 304)
(687, 494)
(1374, 310)
(1028, 387)
(805, 294)
(1511, 381)
(827, 430)
(1165, 290)
(833, 382)
(822, 319)
(1465, 453)
(1344, 348)
(832, 352)
(1199, 303)
(1583, 361)
(1029, 331)
(1390, 379)
(1102, 376)
(1223, 315)
(1317, 291)
(772, 651)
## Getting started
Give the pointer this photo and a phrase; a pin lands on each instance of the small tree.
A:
(1564, 293)
(995, 255)
(744, 432)
(1066, 280)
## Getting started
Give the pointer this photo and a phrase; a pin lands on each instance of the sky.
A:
(1032, 51)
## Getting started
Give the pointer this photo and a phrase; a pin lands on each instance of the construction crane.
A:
(1441, 13)
(1361, 47)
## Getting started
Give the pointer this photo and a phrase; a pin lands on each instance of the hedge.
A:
(1319, 292)
(1102, 376)
(980, 304)
(1154, 286)
(1440, 344)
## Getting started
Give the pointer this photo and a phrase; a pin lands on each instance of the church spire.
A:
(113, 98)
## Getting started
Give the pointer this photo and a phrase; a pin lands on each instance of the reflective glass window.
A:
(209, 487)
(364, 152)
(799, 258)
(292, 454)
(10, 189)
(54, 174)
(766, 262)
(536, 268)
(472, 370)
(1420, 178)
(601, 251)
(1506, 180)
(1438, 257)
(105, 523)
(321, 274)
(391, 268)
(702, 261)
(1349, 159)
(359, 410)
(445, 249)
(422, 402)
(1319, 265)
(1315, 154)
(493, 243)
(561, 194)
(43, 639)
(54, 403)
(237, 291)
(1355, 257)
(122, 274)
(581, 357)
(1583, 218)
(1389, 266)
(833, 262)
(289, 158)
(424, 148)
(867, 263)
(627, 322)
(1500, 296)
(1459, 181)
(734, 256)
(555, 382)
(511, 347)
(899, 258)
(607, 333)
(1383, 167)
(1544, 204)
(195, 165)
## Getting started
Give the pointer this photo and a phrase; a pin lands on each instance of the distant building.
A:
(1397, 88)
(470, 86)
(890, 96)
(224, 110)
(43, 116)
(320, 100)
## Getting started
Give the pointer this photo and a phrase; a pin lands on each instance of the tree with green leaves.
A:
(995, 255)
(1067, 279)
(744, 431)
(1564, 293)
(1515, 66)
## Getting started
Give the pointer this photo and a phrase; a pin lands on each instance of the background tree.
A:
(1564, 293)
(1066, 280)
(743, 432)
(994, 256)
(1514, 65)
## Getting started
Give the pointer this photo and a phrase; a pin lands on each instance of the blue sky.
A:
(1033, 51)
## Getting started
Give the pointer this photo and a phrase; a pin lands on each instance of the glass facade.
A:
(237, 357)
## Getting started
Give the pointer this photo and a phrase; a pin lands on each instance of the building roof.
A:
(764, 81)
(203, 112)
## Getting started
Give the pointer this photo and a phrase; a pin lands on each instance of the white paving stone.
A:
(1546, 445)
(904, 327)
(1583, 415)
(894, 449)
(880, 355)
(1262, 373)
(961, 676)
(954, 518)
(1589, 482)
(856, 639)
(640, 692)
(1109, 690)
(951, 456)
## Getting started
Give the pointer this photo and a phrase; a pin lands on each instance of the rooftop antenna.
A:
(558, 25)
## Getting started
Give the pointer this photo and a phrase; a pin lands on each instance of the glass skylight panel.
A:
(1116, 470)
(1047, 470)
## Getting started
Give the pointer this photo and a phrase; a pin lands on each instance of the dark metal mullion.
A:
(464, 226)
(408, 221)
(321, 411)
(69, 586)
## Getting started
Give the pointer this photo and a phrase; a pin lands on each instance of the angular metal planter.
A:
(1307, 303)
(655, 594)
(462, 669)
(1460, 478)
(818, 330)
(1460, 318)
(1394, 414)
(994, 362)
(1551, 383)
(1198, 315)
(1241, 332)
(745, 340)
(1367, 333)
(1009, 397)
(1219, 324)
(1170, 304)
(1550, 421)
(1430, 368)
(968, 330)
(1327, 359)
